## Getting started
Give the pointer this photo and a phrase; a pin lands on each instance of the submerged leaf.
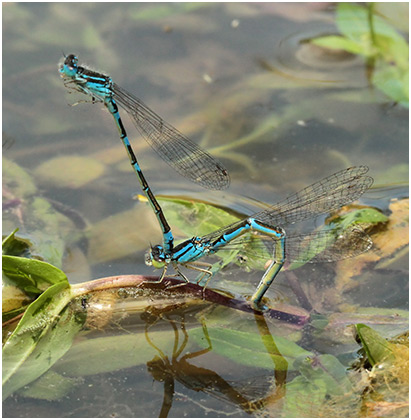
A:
(323, 378)
(248, 349)
(17, 180)
(111, 353)
(51, 386)
(121, 234)
(44, 229)
(70, 171)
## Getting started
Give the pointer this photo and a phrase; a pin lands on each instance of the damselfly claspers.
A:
(177, 150)
(319, 198)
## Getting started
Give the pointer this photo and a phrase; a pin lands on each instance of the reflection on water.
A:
(174, 342)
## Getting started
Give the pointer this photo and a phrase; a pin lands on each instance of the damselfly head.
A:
(69, 66)
(156, 257)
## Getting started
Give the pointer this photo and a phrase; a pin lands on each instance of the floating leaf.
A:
(339, 42)
(193, 217)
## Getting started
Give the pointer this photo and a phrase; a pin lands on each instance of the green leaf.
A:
(248, 349)
(368, 216)
(377, 348)
(339, 43)
(16, 246)
(31, 276)
(361, 24)
(393, 81)
(42, 336)
(195, 218)
(367, 34)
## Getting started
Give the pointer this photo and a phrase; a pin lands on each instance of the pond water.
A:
(241, 81)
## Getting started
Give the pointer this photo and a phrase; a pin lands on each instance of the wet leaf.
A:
(187, 214)
(42, 336)
(14, 301)
(69, 171)
(339, 42)
(396, 232)
(13, 245)
(248, 348)
(31, 276)
(386, 385)
(376, 347)
(353, 20)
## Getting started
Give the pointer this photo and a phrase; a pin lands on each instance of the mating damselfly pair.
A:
(191, 161)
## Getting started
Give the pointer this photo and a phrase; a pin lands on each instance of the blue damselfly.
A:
(269, 226)
(177, 150)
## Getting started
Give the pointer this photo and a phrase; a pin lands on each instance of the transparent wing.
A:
(321, 197)
(178, 151)
(322, 246)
